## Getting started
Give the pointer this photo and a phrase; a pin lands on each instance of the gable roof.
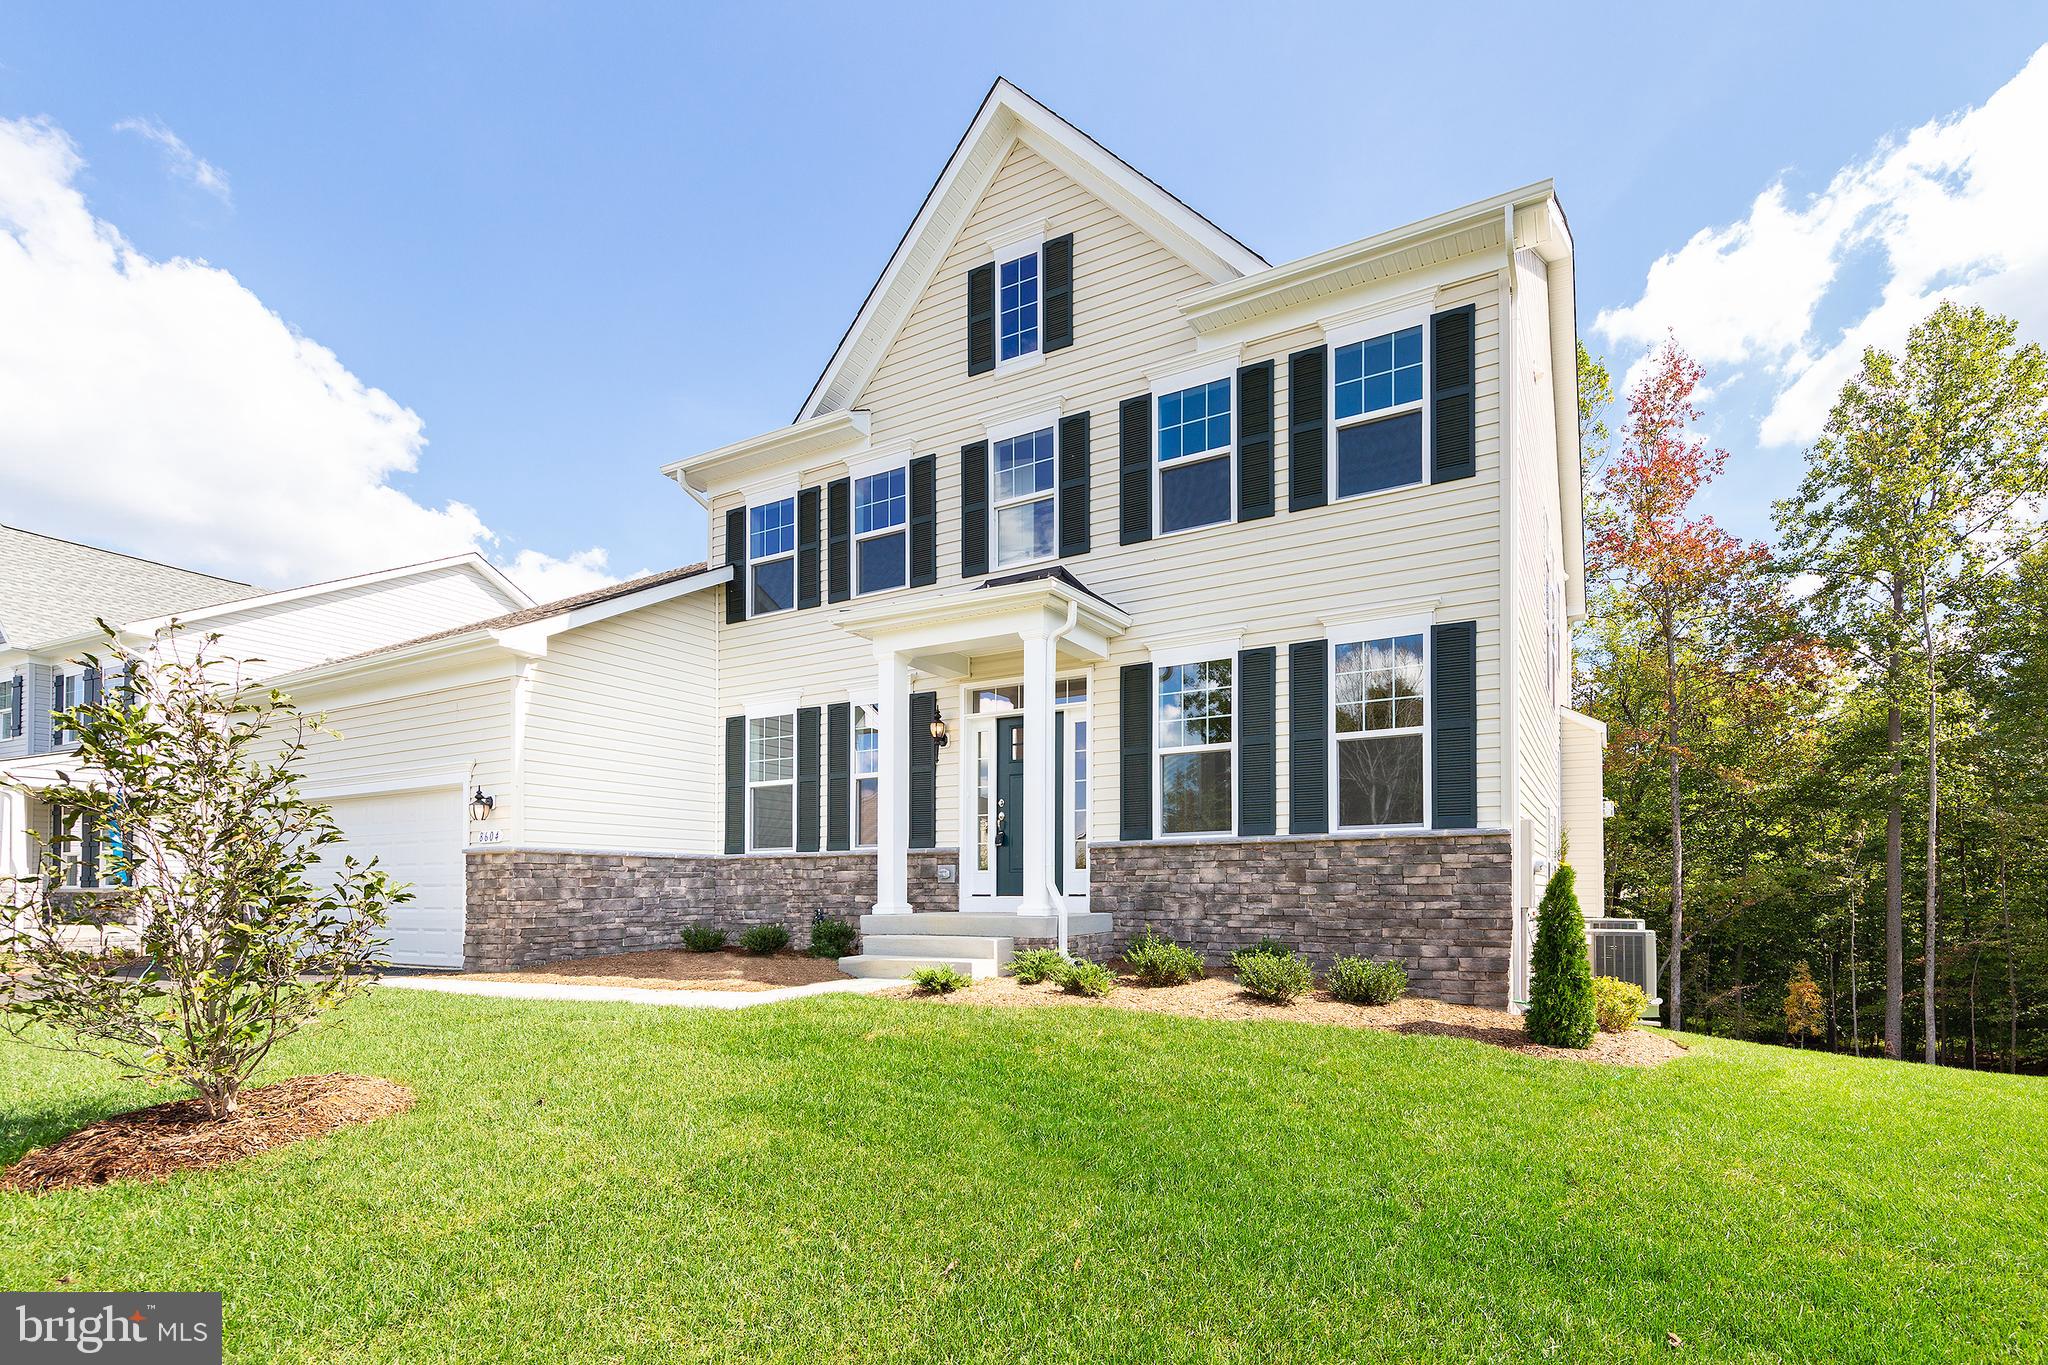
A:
(54, 590)
(470, 560)
(1008, 116)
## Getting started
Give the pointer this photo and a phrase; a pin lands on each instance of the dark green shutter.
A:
(807, 548)
(1255, 441)
(1059, 293)
(94, 682)
(839, 540)
(974, 509)
(1308, 737)
(88, 852)
(12, 702)
(1451, 409)
(1074, 509)
(1134, 470)
(807, 779)
(924, 521)
(1134, 752)
(924, 771)
(735, 784)
(981, 319)
(1454, 725)
(736, 560)
(838, 776)
(1255, 741)
(1308, 429)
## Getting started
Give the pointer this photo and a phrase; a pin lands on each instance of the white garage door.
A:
(416, 837)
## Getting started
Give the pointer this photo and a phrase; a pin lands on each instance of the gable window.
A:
(1196, 795)
(880, 510)
(771, 783)
(1381, 734)
(1025, 480)
(1017, 307)
(1376, 397)
(771, 556)
(1194, 456)
(867, 767)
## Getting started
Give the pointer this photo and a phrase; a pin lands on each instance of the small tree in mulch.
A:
(1561, 1012)
(1805, 1013)
(248, 927)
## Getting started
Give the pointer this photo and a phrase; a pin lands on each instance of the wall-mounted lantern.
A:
(481, 806)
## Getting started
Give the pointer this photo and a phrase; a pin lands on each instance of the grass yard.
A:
(858, 1179)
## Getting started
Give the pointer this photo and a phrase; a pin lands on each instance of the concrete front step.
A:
(985, 923)
(944, 946)
(880, 967)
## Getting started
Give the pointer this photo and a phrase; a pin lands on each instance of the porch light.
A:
(481, 806)
(939, 731)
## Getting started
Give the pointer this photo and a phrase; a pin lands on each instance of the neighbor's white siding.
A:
(287, 636)
(1583, 743)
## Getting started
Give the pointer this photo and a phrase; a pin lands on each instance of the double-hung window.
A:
(66, 691)
(1017, 307)
(10, 704)
(881, 545)
(867, 768)
(1024, 490)
(1376, 397)
(771, 556)
(1381, 731)
(771, 783)
(1196, 794)
(1195, 471)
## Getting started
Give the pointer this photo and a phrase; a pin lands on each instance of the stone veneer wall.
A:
(1440, 904)
(531, 906)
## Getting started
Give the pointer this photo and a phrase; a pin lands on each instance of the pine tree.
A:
(1561, 1010)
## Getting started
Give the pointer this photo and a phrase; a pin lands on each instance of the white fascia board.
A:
(786, 448)
(1598, 728)
(531, 638)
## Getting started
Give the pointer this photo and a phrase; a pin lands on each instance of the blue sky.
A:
(576, 241)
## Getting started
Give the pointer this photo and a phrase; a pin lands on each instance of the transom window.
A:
(867, 767)
(1195, 749)
(1025, 480)
(771, 556)
(1017, 309)
(1380, 698)
(1377, 398)
(1194, 456)
(881, 545)
(771, 782)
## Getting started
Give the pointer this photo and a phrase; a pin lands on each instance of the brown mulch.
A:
(158, 1142)
(669, 969)
(1218, 997)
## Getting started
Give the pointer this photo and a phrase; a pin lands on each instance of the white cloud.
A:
(158, 406)
(182, 160)
(1954, 209)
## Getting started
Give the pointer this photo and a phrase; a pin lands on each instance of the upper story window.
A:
(1195, 471)
(867, 767)
(881, 544)
(1194, 738)
(771, 783)
(1024, 491)
(1381, 732)
(771, 556)
(1017, 307)
(1376, 396)
(11, 715)
(66, 691)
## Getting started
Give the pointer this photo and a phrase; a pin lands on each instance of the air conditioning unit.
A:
(1627, 951)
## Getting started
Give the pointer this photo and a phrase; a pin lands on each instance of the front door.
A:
(1009, 813)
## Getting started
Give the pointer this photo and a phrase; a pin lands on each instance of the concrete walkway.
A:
(634, 995)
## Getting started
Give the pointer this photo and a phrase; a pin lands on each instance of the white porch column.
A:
(1038, 787)
(15, 858)
(892, 832)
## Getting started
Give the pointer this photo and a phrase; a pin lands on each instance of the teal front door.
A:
(1009, 817)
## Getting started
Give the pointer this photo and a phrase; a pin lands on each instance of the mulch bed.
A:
(1218, 997)
(158, 1142)
(728, 969)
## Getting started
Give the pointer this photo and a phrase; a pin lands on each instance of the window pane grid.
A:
(1019, 306)
(771, 782)
(1194, 421)
(1194, 743)
(1378, 697)
(879, 502)
(772, 529)
(1025, 476)
(1379, 373)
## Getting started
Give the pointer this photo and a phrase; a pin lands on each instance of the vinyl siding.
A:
(1583, 799)
(1539, 684)
(426, 731)
(297, 634)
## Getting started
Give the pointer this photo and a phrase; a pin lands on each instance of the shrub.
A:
(1158, 961)
(702, 938)
(940, 980)
(1034, 965)
(1271, 947)
(1361, 981)
(1274, 977)
(1087, 978)
(1561, 975)
(831, 937)
(763, 939)
(1617, 1004)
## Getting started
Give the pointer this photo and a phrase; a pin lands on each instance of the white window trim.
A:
(796, 760)
(868, 471)
(1160, 751)
(1195, 651)
(1206, 373)
(1007, 431)
(1005, 250)
(12, 680)
(796, 534)
(1383, 323)
(1359, 634)
(854, 776)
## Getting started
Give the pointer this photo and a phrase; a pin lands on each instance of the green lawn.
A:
(850, 1178)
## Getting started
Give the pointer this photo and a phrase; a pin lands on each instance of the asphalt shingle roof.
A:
(53, 590)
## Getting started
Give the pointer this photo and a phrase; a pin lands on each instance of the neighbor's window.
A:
(1024, 487)
(1194, 456)
(1017, 323)
(1194, 726)
(881, 544)
(66, 691)
(771, 556)
(1378, 405)
(867, 767)
(10, 703)
(771, 782)
(1380, 730)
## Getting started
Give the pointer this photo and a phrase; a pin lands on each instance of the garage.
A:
(417, 838)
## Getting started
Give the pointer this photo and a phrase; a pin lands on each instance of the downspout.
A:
(1052, 644)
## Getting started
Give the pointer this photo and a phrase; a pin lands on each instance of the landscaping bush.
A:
(1617, 1004)
(702, 938)
(1271, 947)
(1361, 981)
(831, 937)
(763, 939)
(1087, 978)
(1561, 975)
(940, 980)
(1274, 977)
(1159, 961)
(1034, 965)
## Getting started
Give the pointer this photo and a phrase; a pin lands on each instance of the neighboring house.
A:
(53, 593)
(1108, 577)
